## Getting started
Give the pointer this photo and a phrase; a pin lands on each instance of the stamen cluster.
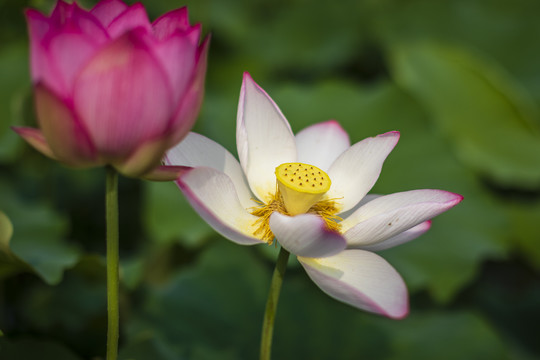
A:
(326, 209)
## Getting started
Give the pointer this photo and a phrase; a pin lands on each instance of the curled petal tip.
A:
(247, 77)
(333, 122)
(396, 134)
(459, 198)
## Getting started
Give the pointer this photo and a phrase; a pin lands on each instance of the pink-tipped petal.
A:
(357, 169)
(197, 150)
(35, 138)
(44, 71)
(69, 52)
(213, 196)
(59, 50)
(263, 137)
(321, 144)
(165, 173)
(170, 23)
(66, 136)
(38, 24)
(400, 238)
(194, 34)
(41, 67)
(188, 110)
(108, 10)
(392, 214)
(132, 18)
(123, 96)
(87, 24)
(361, 279)
(306, 235)
(177, 55)
(62, 12)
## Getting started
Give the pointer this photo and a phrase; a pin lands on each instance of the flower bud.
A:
(111, 88)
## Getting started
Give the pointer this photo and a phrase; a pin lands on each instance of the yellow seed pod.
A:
(301, 186)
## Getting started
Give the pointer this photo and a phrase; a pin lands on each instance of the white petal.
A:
(361, 279)
(213, 196)
(365, 200)
(263, 137)
(356, 170)
(306, 235)
(321, 144)
(400, 238)
(392, 214)
(197, 150)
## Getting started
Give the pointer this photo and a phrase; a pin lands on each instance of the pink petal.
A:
(44, 70)
(108, 10)
(400, 238)
(194, 34)
(58, 52)
(213, 196)
(65, 135)
(35, 138)
(38, 24)
(123, 96)
(188, 110)
(70, 17)
(361, 279)
(263, 137)
(132, 18)
(88, 25)
(197, 150)
(177, 55)
(356, 170)
(41, 67)
(62, 12)
(389, 215)
(170, 23)
(321, 144)
(306, 235)
(68, 52)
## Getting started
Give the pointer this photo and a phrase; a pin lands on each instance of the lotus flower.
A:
(111, 88)
(309, 192)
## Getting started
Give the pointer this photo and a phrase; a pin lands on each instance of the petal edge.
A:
(263, 137)
(211, 193)
(361, 279)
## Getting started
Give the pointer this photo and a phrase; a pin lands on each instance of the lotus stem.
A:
(271, 304)
(111, 204)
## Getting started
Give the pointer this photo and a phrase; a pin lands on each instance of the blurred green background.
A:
(459, 78)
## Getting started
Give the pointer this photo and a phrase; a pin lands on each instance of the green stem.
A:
(111, 201)
(271, 304)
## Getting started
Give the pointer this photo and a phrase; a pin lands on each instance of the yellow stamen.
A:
(308, 193)
(301, 186)
(264, 212)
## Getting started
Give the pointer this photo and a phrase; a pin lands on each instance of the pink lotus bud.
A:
(111, 88)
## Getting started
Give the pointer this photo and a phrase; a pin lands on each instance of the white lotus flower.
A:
(309, 191)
